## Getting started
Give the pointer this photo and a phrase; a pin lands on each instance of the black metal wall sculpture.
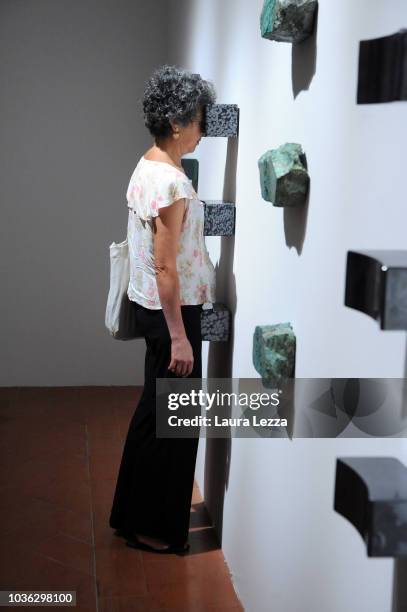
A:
(383, 69)
(376, 284)
(371, 492)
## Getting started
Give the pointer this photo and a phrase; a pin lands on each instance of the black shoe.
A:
(120, 533)
(171, 549)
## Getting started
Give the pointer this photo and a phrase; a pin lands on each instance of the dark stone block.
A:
(376, 284)
(219, 218)
(383, 69)
(371, 492)
(288, 20)
(215, 323)
(191, 168)
(221, 120)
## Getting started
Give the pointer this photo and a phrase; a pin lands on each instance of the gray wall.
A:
(72, 72)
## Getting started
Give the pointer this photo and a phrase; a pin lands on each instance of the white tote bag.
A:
(120, 317)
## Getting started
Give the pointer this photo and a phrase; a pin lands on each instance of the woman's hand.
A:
(182, 357)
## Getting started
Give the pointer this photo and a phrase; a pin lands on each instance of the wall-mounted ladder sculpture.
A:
(220, 120)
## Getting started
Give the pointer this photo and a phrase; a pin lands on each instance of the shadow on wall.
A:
(405, 367)
(295, 224)
(217, 458)
(304, 60)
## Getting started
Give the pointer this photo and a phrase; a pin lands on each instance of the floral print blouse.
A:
(154, 185)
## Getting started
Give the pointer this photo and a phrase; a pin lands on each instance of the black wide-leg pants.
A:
(154, 486)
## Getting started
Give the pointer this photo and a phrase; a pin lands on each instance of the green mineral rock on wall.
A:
(274, 352)
(288, 20)
(284, 178)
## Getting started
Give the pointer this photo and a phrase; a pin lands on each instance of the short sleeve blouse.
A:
(154, 185)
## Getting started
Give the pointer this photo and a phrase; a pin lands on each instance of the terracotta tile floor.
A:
(60, 450)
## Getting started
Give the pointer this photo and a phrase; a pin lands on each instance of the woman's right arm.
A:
(167, 229)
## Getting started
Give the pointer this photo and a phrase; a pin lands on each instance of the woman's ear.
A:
(175, 129)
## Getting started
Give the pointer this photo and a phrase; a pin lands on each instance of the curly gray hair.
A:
(175, 94)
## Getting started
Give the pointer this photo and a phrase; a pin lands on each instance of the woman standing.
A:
(171, 276)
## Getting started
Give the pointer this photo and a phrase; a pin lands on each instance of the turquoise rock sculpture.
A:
(288, 20)
(274, 352)
(284, 178)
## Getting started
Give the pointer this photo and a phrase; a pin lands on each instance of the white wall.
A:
(71, 135)
(272, 502)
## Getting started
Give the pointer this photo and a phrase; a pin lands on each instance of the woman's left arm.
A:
(167, 229)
